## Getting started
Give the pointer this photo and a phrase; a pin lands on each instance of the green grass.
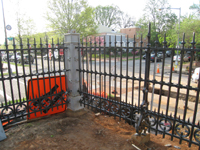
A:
(12, 63)
(15, 101)
(6, 73)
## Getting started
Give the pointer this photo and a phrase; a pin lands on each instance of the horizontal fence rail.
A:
(128, 80)
(31, 80)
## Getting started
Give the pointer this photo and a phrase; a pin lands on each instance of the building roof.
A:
(102, 29)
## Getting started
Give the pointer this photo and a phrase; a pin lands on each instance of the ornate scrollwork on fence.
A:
(197, 135)
(165, 124)
(182, 130)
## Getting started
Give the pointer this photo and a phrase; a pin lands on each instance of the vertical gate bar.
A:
(30, 70)
(196, 102)
(115, 53)
(179, 86)
(100, 70)
(170, 82)
(133, 71)
(83, 70)
(64, 60)
(48, 62)
(3, 81)
(162, 76)
(140, 77)
(109, 67)
(90, 69)
(54, 68)
(61, 58)
(36, 63)
(189, 79)
(127, 51)
(42, 61)
(104, 46)
(79, 65)
(147, 69)
(120, 79)
(110, 51)
(131, 114)
(95, 65)
(24, 77)
(59, 66)
(10, 79)
(87, 71)
(154, 78)
(17, 73)
(141, 42)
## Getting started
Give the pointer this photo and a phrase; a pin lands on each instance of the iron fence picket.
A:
(18, 107)
(160, 122)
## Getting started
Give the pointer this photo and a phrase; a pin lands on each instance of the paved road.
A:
(18, 89)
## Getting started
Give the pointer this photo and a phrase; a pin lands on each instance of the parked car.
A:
(26, 59)
(161, 54)
(152, 57)
(18, 56)
(159, 57)
(177, 56)
(186, 57)
(195, 75)
(168, 53)
(4, 57)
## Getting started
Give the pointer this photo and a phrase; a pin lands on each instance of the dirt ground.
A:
(82, 131)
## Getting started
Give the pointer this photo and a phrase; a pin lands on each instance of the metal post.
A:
(4, 21)
(72, 63)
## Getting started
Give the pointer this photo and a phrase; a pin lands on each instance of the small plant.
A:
(111, 96)
(28, 125)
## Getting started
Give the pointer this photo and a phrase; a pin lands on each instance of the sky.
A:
(36, 10)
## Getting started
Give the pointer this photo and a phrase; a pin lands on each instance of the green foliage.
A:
(64, 16)
(111, 96)
(196, 7)
(189, 26)
(113, 17)
(108, 15)
(161, 20)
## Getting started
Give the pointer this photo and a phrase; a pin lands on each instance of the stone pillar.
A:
(2, 133)
(72, 63)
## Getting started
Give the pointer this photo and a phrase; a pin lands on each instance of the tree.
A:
(196, 7)
(113, 17)
(126, 21)
(188, 26)
(25, 27)
(108, 16)
(24, 24)
(64, 16)
(159, 14)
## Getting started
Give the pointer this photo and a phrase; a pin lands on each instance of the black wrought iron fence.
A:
(156, 90)
(31, 80)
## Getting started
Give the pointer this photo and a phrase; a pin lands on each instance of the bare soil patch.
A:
(81, 130)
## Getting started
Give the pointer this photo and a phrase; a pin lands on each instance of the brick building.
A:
(130, 32)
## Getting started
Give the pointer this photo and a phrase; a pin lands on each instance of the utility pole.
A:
(4, 21)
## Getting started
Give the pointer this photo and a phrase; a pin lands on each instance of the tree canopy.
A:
(113, 17)
(196, 7)
(64, 16)
(159, 14)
